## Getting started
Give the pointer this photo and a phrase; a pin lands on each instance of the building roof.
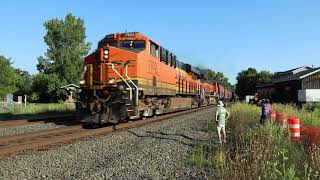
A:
(291, 75)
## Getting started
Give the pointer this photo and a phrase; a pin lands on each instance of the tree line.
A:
(211, 75)
(62, 64)
(247, 81)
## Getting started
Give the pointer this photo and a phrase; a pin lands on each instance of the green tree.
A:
(219, 77)
(24, 85)
(45, 87)
(8, 76)
(63, 61)
(247, 80)
(264, 76)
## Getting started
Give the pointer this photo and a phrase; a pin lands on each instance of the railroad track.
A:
(22, 122)
(47, 138)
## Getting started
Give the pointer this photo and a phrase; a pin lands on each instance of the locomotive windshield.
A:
(135, 46)
(107, 43)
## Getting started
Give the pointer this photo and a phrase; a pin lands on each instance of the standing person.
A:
(265, 113)
(222, 114)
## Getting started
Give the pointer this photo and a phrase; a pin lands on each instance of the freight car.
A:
(223, 93)
(130, 76)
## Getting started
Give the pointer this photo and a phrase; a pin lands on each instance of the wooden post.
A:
(25, 100)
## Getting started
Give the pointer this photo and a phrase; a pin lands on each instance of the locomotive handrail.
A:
(137, 91)
(124, 80)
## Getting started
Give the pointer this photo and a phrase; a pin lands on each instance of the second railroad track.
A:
(23, 122)
(47, 138)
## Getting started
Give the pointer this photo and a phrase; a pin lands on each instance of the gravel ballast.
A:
(155, 151)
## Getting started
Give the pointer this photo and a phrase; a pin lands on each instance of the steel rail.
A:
(48, 138)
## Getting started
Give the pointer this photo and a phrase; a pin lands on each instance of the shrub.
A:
(60, 101)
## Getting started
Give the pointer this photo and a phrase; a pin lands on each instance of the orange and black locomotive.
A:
(130, 76)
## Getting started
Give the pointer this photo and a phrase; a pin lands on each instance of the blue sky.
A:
(226, 36)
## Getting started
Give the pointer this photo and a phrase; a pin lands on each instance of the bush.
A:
(2, 107)
(312, 106)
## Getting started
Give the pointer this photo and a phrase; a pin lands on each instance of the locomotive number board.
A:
(128, 35)
(110, 36)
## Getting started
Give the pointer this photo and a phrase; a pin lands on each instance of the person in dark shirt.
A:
(266, 108)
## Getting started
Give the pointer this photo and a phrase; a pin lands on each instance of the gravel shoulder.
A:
(155, 151)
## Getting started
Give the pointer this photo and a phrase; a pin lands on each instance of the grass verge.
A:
(15, 111)
(257, 153)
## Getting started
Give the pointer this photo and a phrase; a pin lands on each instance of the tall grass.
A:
(12, 110)
(305, 114)
(255, 152)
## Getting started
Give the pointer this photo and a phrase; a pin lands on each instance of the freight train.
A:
(130, 76)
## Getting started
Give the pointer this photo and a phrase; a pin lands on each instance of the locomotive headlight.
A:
(82, 82)
(106, 54)
(111, 81)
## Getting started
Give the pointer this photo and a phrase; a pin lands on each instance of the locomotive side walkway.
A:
(155, 151)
